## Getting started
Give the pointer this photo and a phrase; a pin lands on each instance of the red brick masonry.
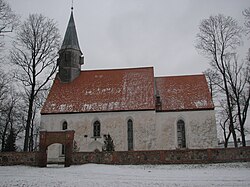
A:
(19, 158)
(193, 156)
(164, 156)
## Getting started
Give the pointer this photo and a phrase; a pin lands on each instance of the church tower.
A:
(70, 55)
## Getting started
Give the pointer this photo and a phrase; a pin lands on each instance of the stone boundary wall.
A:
(184, 156)
(19, 158)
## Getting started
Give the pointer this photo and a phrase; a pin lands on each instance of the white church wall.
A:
(113, 123)
(151, 130)
(200, 129)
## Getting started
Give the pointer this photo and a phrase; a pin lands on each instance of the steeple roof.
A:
(70, 40)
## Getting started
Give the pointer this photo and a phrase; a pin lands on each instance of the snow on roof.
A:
(188, 92)
(127, 90)
(103, 90)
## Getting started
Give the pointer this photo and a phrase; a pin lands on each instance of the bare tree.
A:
(218, 37)
(4, 88)
(223, 119)
(8, 119)
(214, 82)
(223, 122)
(34, 53)
(217, 91)
(11, 116)
(246, 13)
(4, 92)
(239, 81)
(8, 19)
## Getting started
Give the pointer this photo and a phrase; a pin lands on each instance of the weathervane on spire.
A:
(72, 5)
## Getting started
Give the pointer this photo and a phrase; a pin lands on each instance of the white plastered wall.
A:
(151, 130)
(200, 129)
(113, 123)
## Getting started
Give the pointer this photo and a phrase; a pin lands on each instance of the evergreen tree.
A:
(108, 143)
(10, 142)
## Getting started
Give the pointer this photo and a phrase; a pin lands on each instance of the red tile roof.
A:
(127, 90)
(184, 93)
(103, 90)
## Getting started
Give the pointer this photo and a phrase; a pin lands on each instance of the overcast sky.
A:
(136, 33)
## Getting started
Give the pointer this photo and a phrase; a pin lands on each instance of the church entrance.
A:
(48, 138)
(56, 154)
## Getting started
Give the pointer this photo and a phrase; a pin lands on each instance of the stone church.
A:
(138, 110)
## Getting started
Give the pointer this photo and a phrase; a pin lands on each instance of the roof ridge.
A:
(118, 69)
(190, 75)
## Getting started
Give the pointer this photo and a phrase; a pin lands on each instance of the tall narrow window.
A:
(64, 127)
(181, 139)
(97, 129)
(130, 135)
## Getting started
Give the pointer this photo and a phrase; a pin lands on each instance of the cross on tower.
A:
(72, 4)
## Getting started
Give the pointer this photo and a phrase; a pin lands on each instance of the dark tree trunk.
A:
(29, 119)
(4, 135)
(229, 103)
(6, 127)
(31, 140)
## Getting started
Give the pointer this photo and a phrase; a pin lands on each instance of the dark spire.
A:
(70, 55)
(70, 40)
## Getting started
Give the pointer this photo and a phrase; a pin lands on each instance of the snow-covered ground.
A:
(231, 174)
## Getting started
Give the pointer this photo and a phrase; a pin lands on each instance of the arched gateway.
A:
(47, 138)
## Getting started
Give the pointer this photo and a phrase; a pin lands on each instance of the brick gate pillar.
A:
(69, 147)
(42, 161)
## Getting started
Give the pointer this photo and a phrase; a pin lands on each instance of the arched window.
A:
(64, 125)
(181, 139)
(96, 129)
(130, 135)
